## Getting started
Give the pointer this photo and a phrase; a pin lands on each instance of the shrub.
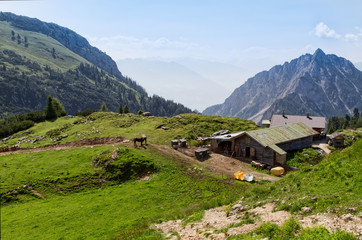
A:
(86, 112)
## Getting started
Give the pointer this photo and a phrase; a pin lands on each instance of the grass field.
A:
(117, 210)
(117, 192)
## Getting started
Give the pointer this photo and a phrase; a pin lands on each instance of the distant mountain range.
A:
(38, 59)
(321, 84)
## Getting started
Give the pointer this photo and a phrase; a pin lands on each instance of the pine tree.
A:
(120, 108)
(58, 107)
(126, 109)
(104, 107)
(26, 44)
(50, 113)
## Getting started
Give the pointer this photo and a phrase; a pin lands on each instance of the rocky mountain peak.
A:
(321, 84)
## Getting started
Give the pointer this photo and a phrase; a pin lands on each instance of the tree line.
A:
(336, 123)
(14, 124)
(84, 87)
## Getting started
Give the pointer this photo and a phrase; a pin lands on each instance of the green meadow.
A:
(118, 208)
(118, 191)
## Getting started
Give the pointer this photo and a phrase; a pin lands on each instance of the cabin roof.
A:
(280, 134)
(227, 137)
(310, 121)
(336, 134)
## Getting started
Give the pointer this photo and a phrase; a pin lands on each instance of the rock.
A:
(348, 217)
(236, 206)
(352, 210)
(306, 209)
(147, 114)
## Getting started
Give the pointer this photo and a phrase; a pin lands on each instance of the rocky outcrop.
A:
(320, 84)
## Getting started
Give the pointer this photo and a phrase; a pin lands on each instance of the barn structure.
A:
(267, 145)
(316, 122)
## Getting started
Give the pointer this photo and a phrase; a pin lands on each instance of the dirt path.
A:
(217, 219)
(217, 163)
(322, 145)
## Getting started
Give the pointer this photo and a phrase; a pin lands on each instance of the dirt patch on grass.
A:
(216, 223)
(217, 163)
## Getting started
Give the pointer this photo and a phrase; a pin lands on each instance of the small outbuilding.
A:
(266, 123)
(336, 140)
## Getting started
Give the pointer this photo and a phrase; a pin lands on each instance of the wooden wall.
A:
(262, 154)
(296, 144)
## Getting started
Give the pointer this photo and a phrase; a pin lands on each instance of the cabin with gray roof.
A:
(267, 145)
(318, 123)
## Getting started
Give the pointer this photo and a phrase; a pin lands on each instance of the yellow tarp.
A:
(239, 175)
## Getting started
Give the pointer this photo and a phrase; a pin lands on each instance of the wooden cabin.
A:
(336, 140)
(267, 145)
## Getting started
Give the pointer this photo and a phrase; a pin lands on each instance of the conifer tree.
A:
(126, 109)
(120, 108)
(50, 112)
(58, 107)
(104, 107)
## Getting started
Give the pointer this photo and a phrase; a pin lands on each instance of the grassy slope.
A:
(39, 49)
(172, 193)
(120, 211)
(129, 126)
(126, 210)
(334, 185)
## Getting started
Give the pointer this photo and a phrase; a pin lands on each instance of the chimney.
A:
(308, 115)
(283, 113)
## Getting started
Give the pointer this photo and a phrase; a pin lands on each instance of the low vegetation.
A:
(304, 158)
(292, 229)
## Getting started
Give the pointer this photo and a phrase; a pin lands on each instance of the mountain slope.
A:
(34, 65)
(321, 84)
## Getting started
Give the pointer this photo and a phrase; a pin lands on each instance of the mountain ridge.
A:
(311, 83)
(34, 65)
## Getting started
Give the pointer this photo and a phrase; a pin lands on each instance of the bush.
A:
(122, 164)
(8, 128)
(86, 112)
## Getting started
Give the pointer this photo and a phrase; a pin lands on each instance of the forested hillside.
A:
(34, 66)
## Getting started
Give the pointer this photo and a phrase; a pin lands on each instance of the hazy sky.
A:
(254, 35)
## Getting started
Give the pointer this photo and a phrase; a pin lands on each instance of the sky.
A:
(251, 36)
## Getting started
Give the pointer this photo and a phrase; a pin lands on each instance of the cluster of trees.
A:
(18, 38)
(14, 124)
(336, 122)
(78, 89)
(20, 122)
